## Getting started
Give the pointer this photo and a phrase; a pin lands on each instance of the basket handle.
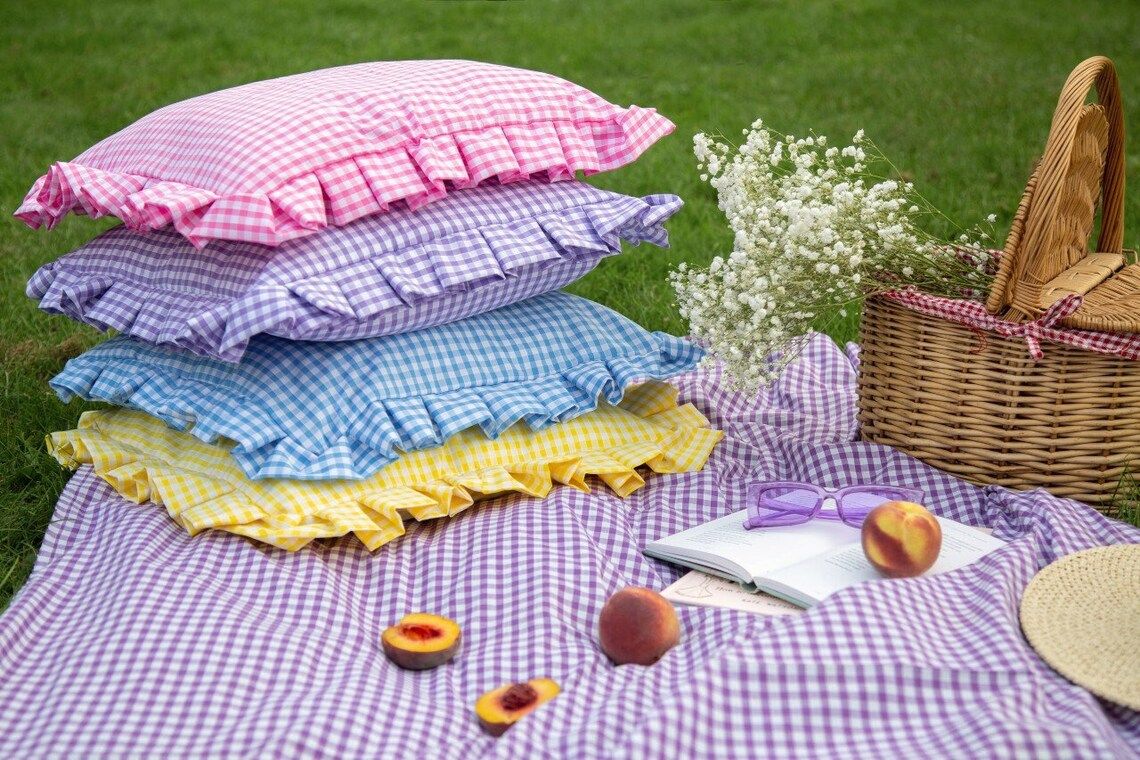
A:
(1098, 71)
(1000, 285)
(1045, 189)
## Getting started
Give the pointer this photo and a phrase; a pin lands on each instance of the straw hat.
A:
(1082, 615)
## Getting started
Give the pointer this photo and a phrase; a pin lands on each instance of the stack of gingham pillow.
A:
(337, 294)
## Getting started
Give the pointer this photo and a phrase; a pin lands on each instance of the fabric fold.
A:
(202, 489)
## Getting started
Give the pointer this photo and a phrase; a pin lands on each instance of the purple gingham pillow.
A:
(384, 274)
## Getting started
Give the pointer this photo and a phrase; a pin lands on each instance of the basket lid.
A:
(1083, 165)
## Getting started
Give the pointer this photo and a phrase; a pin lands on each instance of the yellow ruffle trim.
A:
(201, 487)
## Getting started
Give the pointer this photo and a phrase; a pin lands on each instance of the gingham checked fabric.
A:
(279, 159)
(341, 410)
(1041, 330)
(388, 273)
(203, 489)
(132, 638)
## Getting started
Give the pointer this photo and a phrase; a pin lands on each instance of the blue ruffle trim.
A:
(382, 428)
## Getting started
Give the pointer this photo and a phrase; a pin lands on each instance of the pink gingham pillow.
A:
(271, 161)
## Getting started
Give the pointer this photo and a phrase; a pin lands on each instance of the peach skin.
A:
(638, 626)
(901, 539)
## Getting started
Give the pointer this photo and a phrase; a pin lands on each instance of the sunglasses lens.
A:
(857, 504)
(784, 505)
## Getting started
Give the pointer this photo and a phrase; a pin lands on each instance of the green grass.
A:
(958, 94)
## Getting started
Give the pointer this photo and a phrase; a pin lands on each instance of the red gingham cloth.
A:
(973, 314)
(283, 158)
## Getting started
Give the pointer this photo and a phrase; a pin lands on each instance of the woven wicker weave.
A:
(976, 404)
(1083, 166)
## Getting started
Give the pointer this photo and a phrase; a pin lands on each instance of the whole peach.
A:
(901, 539)
(638, 626)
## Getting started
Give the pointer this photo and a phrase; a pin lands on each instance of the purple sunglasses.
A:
(775, 504)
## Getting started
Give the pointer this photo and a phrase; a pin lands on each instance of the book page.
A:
(815, 579)
(702, 590)
(725, 544)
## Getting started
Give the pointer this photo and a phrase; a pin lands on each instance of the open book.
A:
(805, 563)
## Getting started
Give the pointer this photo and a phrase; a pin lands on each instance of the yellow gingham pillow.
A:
(201, 487)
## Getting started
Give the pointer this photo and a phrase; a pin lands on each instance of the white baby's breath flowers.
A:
(814, 233)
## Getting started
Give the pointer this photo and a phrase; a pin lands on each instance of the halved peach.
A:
(421, 641)
(499, 709)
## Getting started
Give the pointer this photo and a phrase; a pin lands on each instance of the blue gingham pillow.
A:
(473, 251)
(343, 409)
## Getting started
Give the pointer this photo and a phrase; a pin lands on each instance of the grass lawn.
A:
(958, 94)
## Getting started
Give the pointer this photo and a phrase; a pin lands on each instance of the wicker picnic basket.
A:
(974, 402)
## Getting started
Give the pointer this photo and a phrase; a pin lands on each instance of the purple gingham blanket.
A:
(133, 639)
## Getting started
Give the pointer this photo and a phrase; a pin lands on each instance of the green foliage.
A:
(959, 95)
(1127, 498)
